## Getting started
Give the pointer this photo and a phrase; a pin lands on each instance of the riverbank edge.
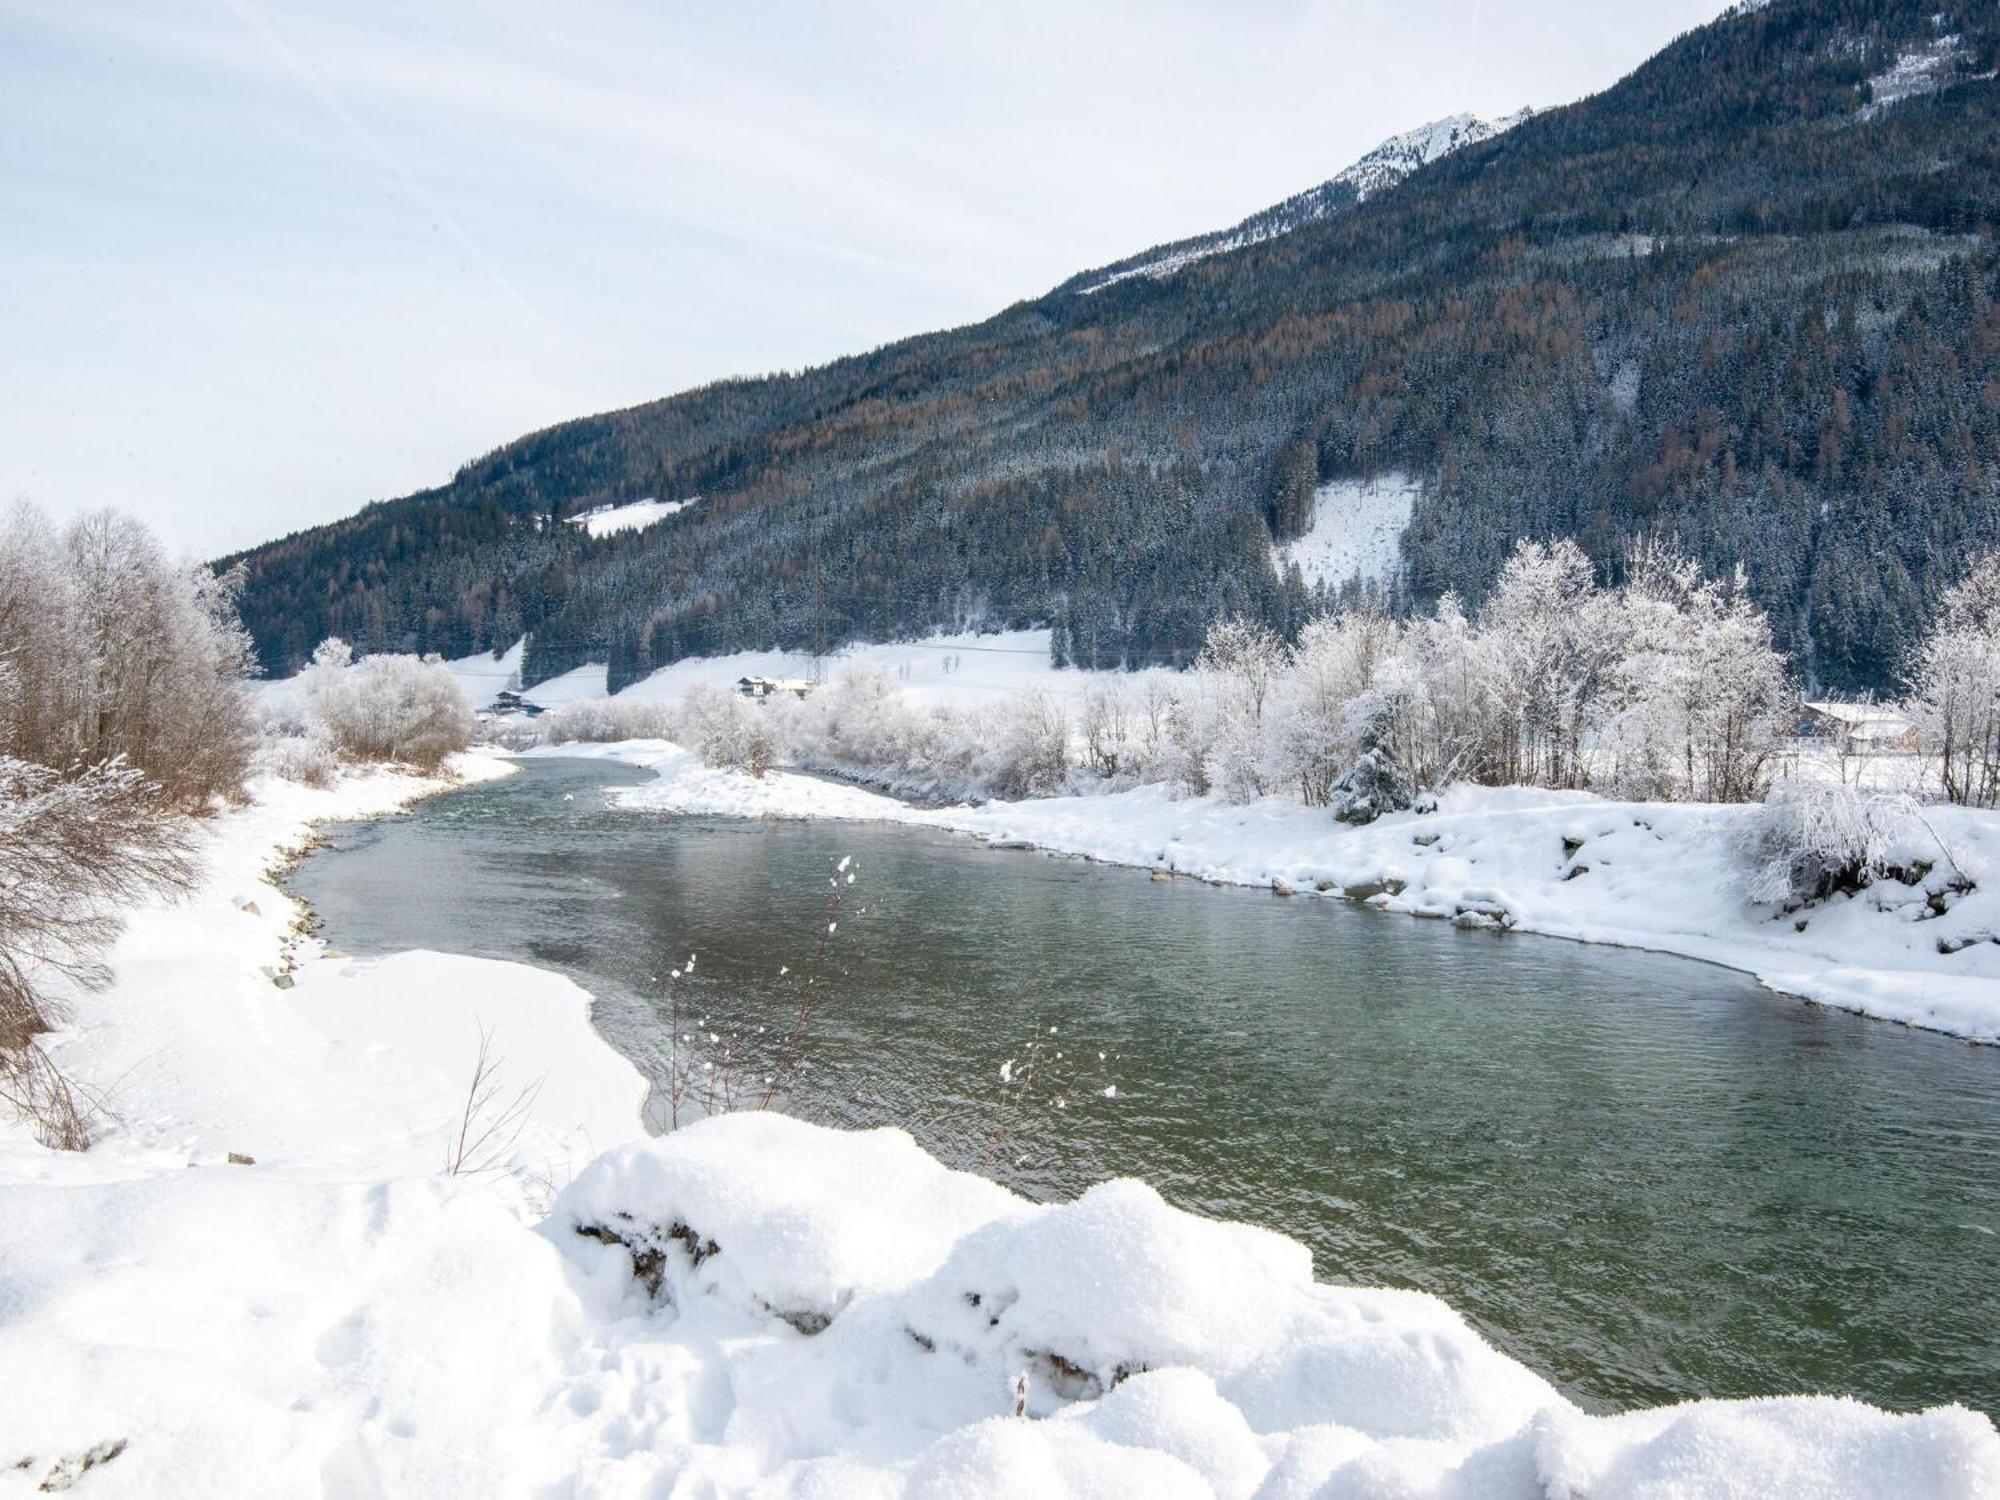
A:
(1655, 877)
(227, 982)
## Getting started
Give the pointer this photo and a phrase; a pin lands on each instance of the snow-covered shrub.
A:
(1030, 747)
(1109, 744)
(1189, 737)
(1240, 663)
(726, 729)
(1955, 686)
(386, 708)
(307, 759)
(1312, 733)
(73, 849)
(1809, 843)
(606, 720)
(1374, 784)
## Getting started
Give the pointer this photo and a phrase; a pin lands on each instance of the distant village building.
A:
(771, 687)
(507, 702)
(1860, 728)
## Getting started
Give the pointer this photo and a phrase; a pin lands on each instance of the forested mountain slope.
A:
(1748, 299)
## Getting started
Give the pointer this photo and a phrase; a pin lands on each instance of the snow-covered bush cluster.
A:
(1666, 687)
(109, 650)
(1024, 746)
(604, 720)
(1812, 842)
(1955, 686)
(407, 709)
(299, 756)
(74, 847)
(727, 729)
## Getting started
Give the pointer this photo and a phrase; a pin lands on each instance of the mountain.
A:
(1747, 300)
(1382, 168)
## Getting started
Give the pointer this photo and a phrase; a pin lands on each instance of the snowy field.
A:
(961, 669)
(637, 515)
(1356, 531)
(751, 1306)
(1670, 877)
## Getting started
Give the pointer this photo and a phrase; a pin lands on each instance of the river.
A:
(1647, 1178)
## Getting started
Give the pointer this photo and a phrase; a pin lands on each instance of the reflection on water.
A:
(1647, 1178)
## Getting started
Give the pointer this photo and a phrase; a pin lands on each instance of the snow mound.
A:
(684, 785)
(801, 1235)
(756, 1305)
(1356, 531)
(637, 515)
(1146, 1349)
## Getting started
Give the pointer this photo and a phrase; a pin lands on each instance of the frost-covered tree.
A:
(1240, 663)
(1955, 686)
(1314, 736)
(1745, 707)
(1545, 665)
(386, 708)
(1030, 747)
(114, 651)
(726, 729)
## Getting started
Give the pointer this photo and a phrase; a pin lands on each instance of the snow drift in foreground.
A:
(760, 1305)
(1672, 877)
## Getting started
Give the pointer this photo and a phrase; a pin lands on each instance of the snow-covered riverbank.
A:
(754, 1305)
(1663, 876)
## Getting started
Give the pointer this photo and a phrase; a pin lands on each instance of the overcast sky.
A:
(263, 262)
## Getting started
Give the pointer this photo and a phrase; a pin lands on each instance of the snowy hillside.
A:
(1400, 155)
(609, 520)
(1919, 71)
(1356, 531)
(1379, 170)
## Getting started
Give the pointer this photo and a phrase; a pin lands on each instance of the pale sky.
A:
(262, 261)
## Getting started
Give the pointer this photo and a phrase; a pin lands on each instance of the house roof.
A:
(1868, 716)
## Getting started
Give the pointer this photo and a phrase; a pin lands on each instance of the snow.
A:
(577, 685)
(1401, 155)
(1919, 71)
(961, 669)
(636, 515)
(1376, 172)
(751, 1305)
(683, 784)
(1356, 531)
(200, 1053)
(483, 676)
